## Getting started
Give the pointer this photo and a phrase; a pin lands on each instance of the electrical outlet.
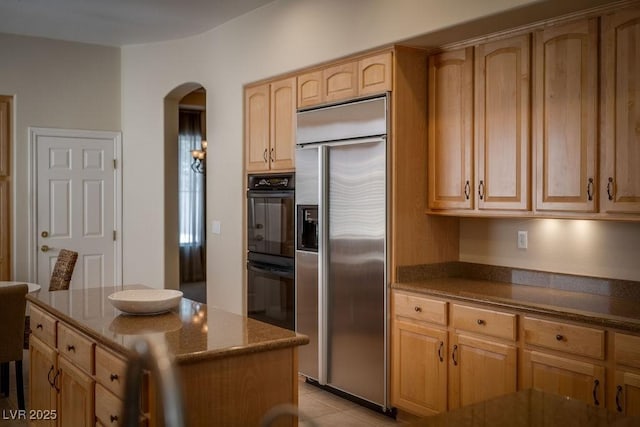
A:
(522, 240)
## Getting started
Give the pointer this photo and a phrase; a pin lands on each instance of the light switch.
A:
(215, 226)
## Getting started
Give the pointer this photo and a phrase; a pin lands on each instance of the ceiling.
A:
(118, 22)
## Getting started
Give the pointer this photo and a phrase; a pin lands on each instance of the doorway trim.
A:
(116, 138)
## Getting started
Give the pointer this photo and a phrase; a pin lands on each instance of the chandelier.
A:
(199, 157)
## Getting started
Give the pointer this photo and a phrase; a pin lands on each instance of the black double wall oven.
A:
(271, 239)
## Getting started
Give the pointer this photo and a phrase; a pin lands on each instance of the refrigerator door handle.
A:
(323, 251)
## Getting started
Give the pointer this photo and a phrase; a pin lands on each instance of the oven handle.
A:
(271, 270)
(270, 194)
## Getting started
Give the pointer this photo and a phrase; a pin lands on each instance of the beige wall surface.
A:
(583, 247)
(59, 85)
(280, 37)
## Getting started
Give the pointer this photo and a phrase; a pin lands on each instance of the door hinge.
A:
(114, 235)
(114, 163)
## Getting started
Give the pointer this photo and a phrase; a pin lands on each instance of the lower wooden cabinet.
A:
(420, 368)
(43, 368)
(480, 369)
(564, 376)
(76, 396)
(627, 392)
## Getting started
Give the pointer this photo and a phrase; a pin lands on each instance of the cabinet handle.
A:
(559, 337)
(55, 381)
(453, 355)
(264, 155)
(440, 351)
(481, 322)
(417, 308)
(480, 190)
(49, 376)
(71, 348)
(113, 418)
(272, 154)
(610, 188)
(618, 394)
(596, 383)
(39, 326)
(113, 377)
(590, 189)
(467, 190)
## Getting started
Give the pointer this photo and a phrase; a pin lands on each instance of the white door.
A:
(76, 199)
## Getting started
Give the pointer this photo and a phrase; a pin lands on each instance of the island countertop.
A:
(192, 331)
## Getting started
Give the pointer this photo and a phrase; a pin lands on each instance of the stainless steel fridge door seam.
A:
(323, 246)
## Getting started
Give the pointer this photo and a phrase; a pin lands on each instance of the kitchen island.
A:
(232, 369)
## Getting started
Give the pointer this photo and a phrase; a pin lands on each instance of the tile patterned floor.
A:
(326, 409)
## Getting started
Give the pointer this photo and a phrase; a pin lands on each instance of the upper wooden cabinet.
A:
(565, 116)
(501, 117)
(270, 126)
(450, 120)
(342, 81)
(620, 132)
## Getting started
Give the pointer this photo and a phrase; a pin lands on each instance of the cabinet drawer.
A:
(75, 347)
(108, 407)
(43, 326)
(564, 337)
(110, 371)
(420, 308)
(627, 350)
(488, 322)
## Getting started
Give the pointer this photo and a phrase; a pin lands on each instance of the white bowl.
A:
(145, 301)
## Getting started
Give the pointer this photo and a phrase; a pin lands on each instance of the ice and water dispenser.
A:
(307, 228)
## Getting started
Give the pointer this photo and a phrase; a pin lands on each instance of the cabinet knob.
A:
(71, 348)
(113, 377)
(113, 418)
(559, 337)
(417, 308)
(481, 322)
(39, 326)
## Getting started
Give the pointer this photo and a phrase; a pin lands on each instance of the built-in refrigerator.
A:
(341, 239)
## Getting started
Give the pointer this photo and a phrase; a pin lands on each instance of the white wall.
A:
(591, 248)
(279, 37)
(59, 85)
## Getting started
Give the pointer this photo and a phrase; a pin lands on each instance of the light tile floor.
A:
(326, 409)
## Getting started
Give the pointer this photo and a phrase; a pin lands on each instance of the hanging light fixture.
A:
(199, 157)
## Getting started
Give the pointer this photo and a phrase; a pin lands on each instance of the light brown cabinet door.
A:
(283, 124)
(43, 367)
(627, 393)
(375, 74)
(76, 398)
(450, 130)
(5, 187)
(479, 370)
(419, 368)
(620, 137)
(256, 130)
(563, 376)
(310, 89)
(5, 135)
(340, 82)
(566, 116)
(502, 82)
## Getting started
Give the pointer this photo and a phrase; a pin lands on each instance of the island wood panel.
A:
(43, 364)
(230, 391)
(450, 130)
(76, 400)
(627, 392)
(283, 124)
(620, 97)
(416, 238)
(256, 130)
(502, 112)
(566, 116)
(5, 187)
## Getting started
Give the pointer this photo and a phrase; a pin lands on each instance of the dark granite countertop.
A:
(192, 331)
(605, 311)
(528, 408)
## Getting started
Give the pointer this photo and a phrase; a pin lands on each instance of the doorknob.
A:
(44, 248)
(45, 234)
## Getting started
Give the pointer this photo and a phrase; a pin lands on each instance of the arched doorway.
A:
(185, 190)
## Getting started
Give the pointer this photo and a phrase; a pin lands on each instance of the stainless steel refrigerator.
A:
(341, 256)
